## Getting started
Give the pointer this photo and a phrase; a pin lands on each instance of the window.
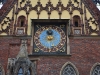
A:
(21, 26)
(77, 28)
(29, 73)
(96, 70)
(20, 72)
(69, 70)
(21, 21)
(76, 21)
(0, 71)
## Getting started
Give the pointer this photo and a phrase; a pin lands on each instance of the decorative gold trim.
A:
(77, 73)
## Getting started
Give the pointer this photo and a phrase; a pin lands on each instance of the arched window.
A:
(76, 21)
(96, 70)
(29, 73)
(20, 72)
(21, 21)
(21, 26)
(1, 71)
(69, 70)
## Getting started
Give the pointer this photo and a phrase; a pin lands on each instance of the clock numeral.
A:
(61, 44)
(38, 44)
(38, 32)
(62, 26)
(38, 26)
(49, 50)
(56, 49)
(36, 49)
(43, 28)
(35, 37)
(62, 50)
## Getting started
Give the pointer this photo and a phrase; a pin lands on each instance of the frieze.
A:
(49, 7)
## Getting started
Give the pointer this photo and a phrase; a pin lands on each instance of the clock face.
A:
(49, 38)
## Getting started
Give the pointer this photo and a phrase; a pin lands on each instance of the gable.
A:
(51, 9)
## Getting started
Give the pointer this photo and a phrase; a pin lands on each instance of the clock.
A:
(49, 38)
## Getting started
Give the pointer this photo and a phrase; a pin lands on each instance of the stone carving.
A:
(23, 49)
(21, 61)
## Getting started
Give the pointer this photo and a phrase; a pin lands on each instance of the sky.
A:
(0, 5)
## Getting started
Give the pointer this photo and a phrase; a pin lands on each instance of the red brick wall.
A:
(9, 48)
(84, 54)
(3, 52)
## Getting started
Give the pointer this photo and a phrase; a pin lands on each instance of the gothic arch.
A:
(94, 68)
(18, 66)
(20, 71)
(77, 19)
(31, 69)
(11, 71)
(72, 66)
(2, 70)
(21, 19)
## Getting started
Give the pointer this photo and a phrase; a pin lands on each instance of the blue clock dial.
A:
(50, 38)
(49, 43)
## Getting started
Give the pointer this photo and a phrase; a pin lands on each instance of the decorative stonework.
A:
(26, 5)
(5, 25)
(95, 70)
(69, 69)
(23, 49)
(22, 61)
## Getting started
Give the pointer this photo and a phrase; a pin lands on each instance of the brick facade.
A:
(84, 54)
(83, 48)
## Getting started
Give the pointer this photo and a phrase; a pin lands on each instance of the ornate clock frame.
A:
(59, 26)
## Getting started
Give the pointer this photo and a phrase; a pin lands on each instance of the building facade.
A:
(49, 37)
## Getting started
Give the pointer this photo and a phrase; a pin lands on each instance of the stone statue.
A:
(23, 49)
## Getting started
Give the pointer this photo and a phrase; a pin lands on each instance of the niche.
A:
(21, 21)
(76, 21)
(21, 26)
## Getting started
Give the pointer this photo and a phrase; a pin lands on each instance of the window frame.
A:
(93, 67)
(69, 63)
(19, 71)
